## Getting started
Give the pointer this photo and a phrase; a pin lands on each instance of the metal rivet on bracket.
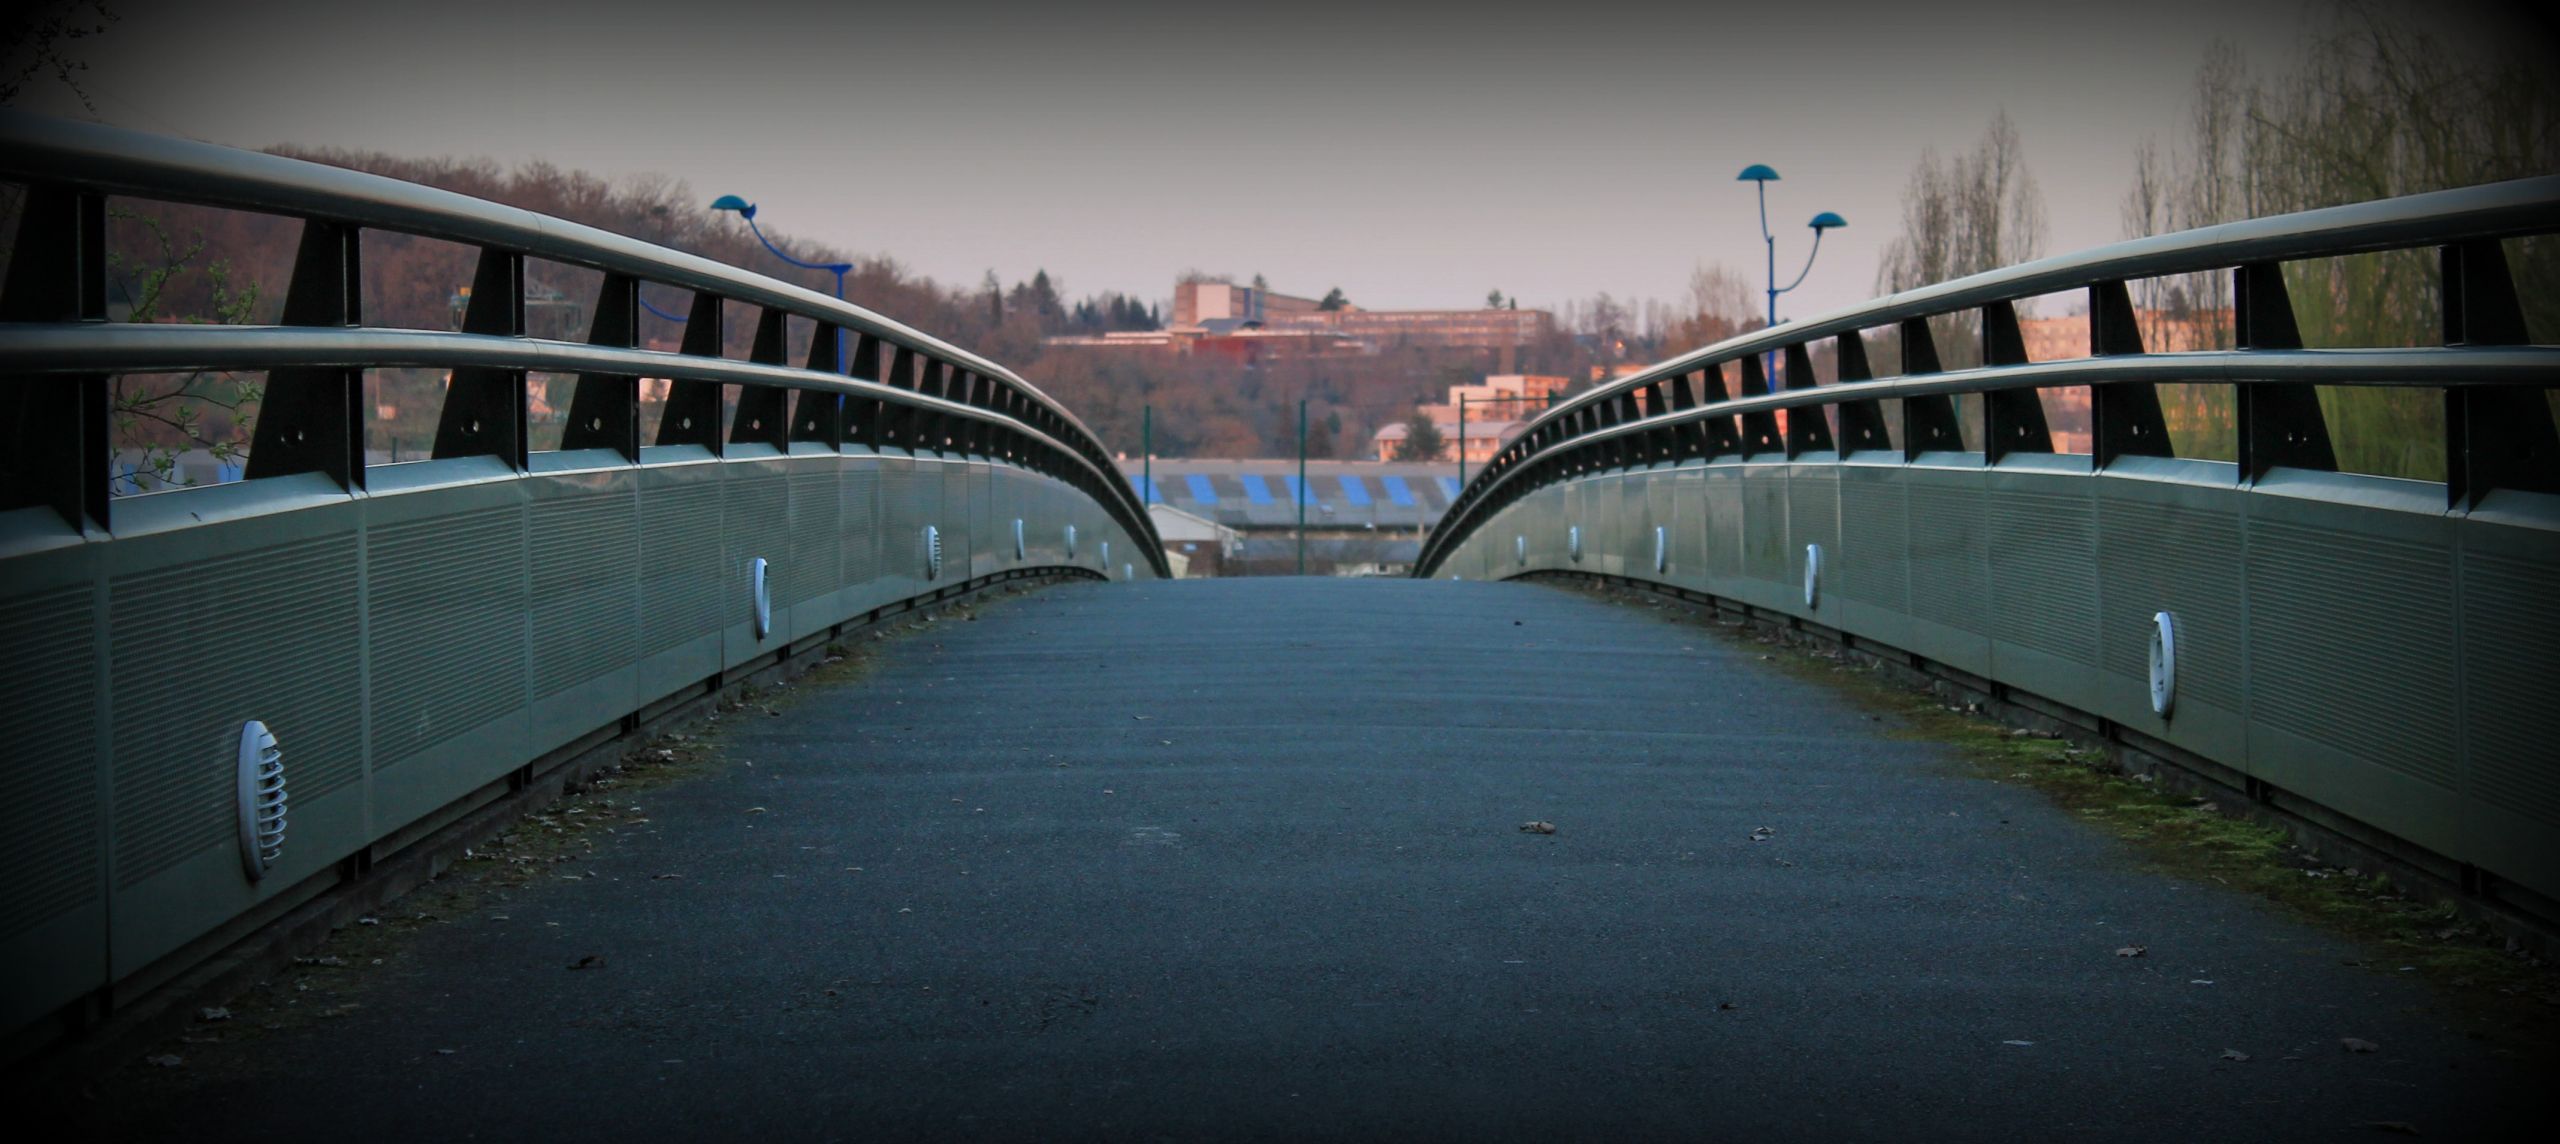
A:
(932, 553)
(1573, 543)
(1017, 538)
(1661, 548)
(1520, 548)
(1813, 575)
(1071, 542)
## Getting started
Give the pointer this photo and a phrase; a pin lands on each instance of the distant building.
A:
(1362, 517)
(1253, 324)
(1484, 439)
(1497, 409)
(2163, 331)
(1203, 303)
(1201, 546)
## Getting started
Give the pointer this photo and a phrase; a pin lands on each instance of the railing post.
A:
(1722, 438)
(764, 414)
(1928, 422)
(1862, 425)
(2280, 424)
(311, 419)
(1759, 430)
(692, 413)
(484, 408)
(604, 409)
(2495, 437)
(866, 419)
(2013, 419)
(55, 429)
(2124, 416)
(1808, 431)
(817, 417)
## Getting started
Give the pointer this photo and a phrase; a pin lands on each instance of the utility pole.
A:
(1302, 486)
(1462, 440)
(1147, 455)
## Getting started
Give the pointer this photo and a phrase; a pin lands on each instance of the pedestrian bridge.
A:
(1145, 858)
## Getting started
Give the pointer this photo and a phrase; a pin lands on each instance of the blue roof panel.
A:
(1200, 490)
(1397, 493)
(1255, 491)
(1355, 492)
(1448, 487)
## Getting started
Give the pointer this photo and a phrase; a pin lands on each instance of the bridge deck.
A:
(1226, 858)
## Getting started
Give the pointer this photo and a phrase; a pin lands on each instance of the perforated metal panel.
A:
(49, 786)
(586, 617)
(1874, 549)
(2044, 582)
(2511, 614)
(1947, 577)
(809, 559)
(858, 541)
(2364, 627)
(2157, 557)
(1764, 526)
(183, 629)
(446, 614)
(680, 566)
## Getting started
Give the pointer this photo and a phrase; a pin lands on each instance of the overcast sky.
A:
(1414, 158)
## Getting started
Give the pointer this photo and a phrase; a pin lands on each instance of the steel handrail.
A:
(116, 161)
(2492, 210)
(2469, 214)
(90, 348)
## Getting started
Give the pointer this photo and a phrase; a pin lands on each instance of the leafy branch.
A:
(161, 416)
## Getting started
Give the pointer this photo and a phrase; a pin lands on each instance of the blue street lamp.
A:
(747, 210)
(1762, 175)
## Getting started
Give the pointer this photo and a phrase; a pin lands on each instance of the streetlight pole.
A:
(1147, 451)
(1462, 440)
(1761, 174)
(747, 210)
(1302, 486)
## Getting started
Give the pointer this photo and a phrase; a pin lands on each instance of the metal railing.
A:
(222, 700)
(2372, 652)
(2498, 431)
(908, 391)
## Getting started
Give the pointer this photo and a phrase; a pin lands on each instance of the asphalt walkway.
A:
(1242, 859)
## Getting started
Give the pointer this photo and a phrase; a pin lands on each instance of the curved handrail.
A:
(108, 160)
(2447, 218)
(89, 347)
(2492, 210)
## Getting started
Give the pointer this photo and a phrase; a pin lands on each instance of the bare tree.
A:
(1980, 211)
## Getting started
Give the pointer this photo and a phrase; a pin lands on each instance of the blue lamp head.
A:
(1757, 173)
(744, 208)
(1827, 220)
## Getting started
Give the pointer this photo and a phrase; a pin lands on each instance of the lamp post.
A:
(747, 210)
(1761, 174)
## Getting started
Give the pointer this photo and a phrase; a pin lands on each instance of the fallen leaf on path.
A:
(2357, 1045)
(590, 961)
(1763, 833)
(665, 877)
(165, 1060)
(2132, 950)
(1539, 827)
(213, 1013)
(2234, 1055)
(761, 810)
(2396, 1127)
(2020, 1044)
